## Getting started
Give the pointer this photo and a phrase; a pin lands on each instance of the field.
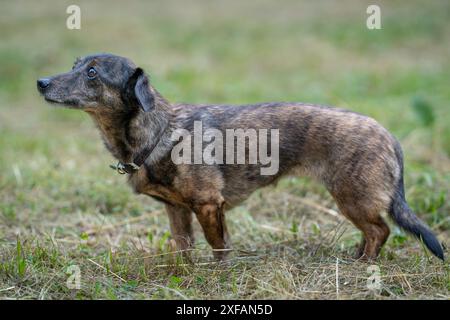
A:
(63, 209)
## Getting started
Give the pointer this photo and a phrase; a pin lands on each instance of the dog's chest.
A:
(144, 183)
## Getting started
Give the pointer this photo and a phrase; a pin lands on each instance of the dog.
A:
(355, 158)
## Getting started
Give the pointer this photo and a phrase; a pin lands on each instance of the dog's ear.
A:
(138, 90)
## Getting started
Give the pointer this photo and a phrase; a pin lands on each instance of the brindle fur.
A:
(358, 161)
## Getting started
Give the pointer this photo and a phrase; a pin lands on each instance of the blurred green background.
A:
(54, 177)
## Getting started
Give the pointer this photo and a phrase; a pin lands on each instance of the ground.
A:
(62, 209)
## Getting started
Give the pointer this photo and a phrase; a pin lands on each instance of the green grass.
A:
(60, 204)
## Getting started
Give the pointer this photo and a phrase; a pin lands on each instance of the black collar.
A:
(132, 167)
(122, 168)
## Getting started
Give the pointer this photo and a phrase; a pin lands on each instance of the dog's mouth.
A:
(51, 100)
(71, 103)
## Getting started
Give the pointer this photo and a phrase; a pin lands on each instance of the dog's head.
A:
(100, 82)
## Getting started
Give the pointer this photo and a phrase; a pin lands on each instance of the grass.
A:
(61, 206)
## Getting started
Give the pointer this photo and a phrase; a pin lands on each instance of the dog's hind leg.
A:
(181, 226)
(212, 220)
(375, 232)
(367, 219)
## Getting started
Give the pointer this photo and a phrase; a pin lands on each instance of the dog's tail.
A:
(402, 214)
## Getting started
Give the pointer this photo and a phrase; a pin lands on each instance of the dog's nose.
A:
(43, 83)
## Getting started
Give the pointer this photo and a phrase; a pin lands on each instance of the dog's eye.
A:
(92, 73)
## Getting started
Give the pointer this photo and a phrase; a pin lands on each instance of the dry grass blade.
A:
(108, 271)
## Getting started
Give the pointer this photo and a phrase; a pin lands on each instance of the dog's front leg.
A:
(212, 220)
(181, 226)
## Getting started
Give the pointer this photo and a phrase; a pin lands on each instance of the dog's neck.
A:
(130, 134)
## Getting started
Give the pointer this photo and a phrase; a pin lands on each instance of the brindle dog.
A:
(358, 161)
